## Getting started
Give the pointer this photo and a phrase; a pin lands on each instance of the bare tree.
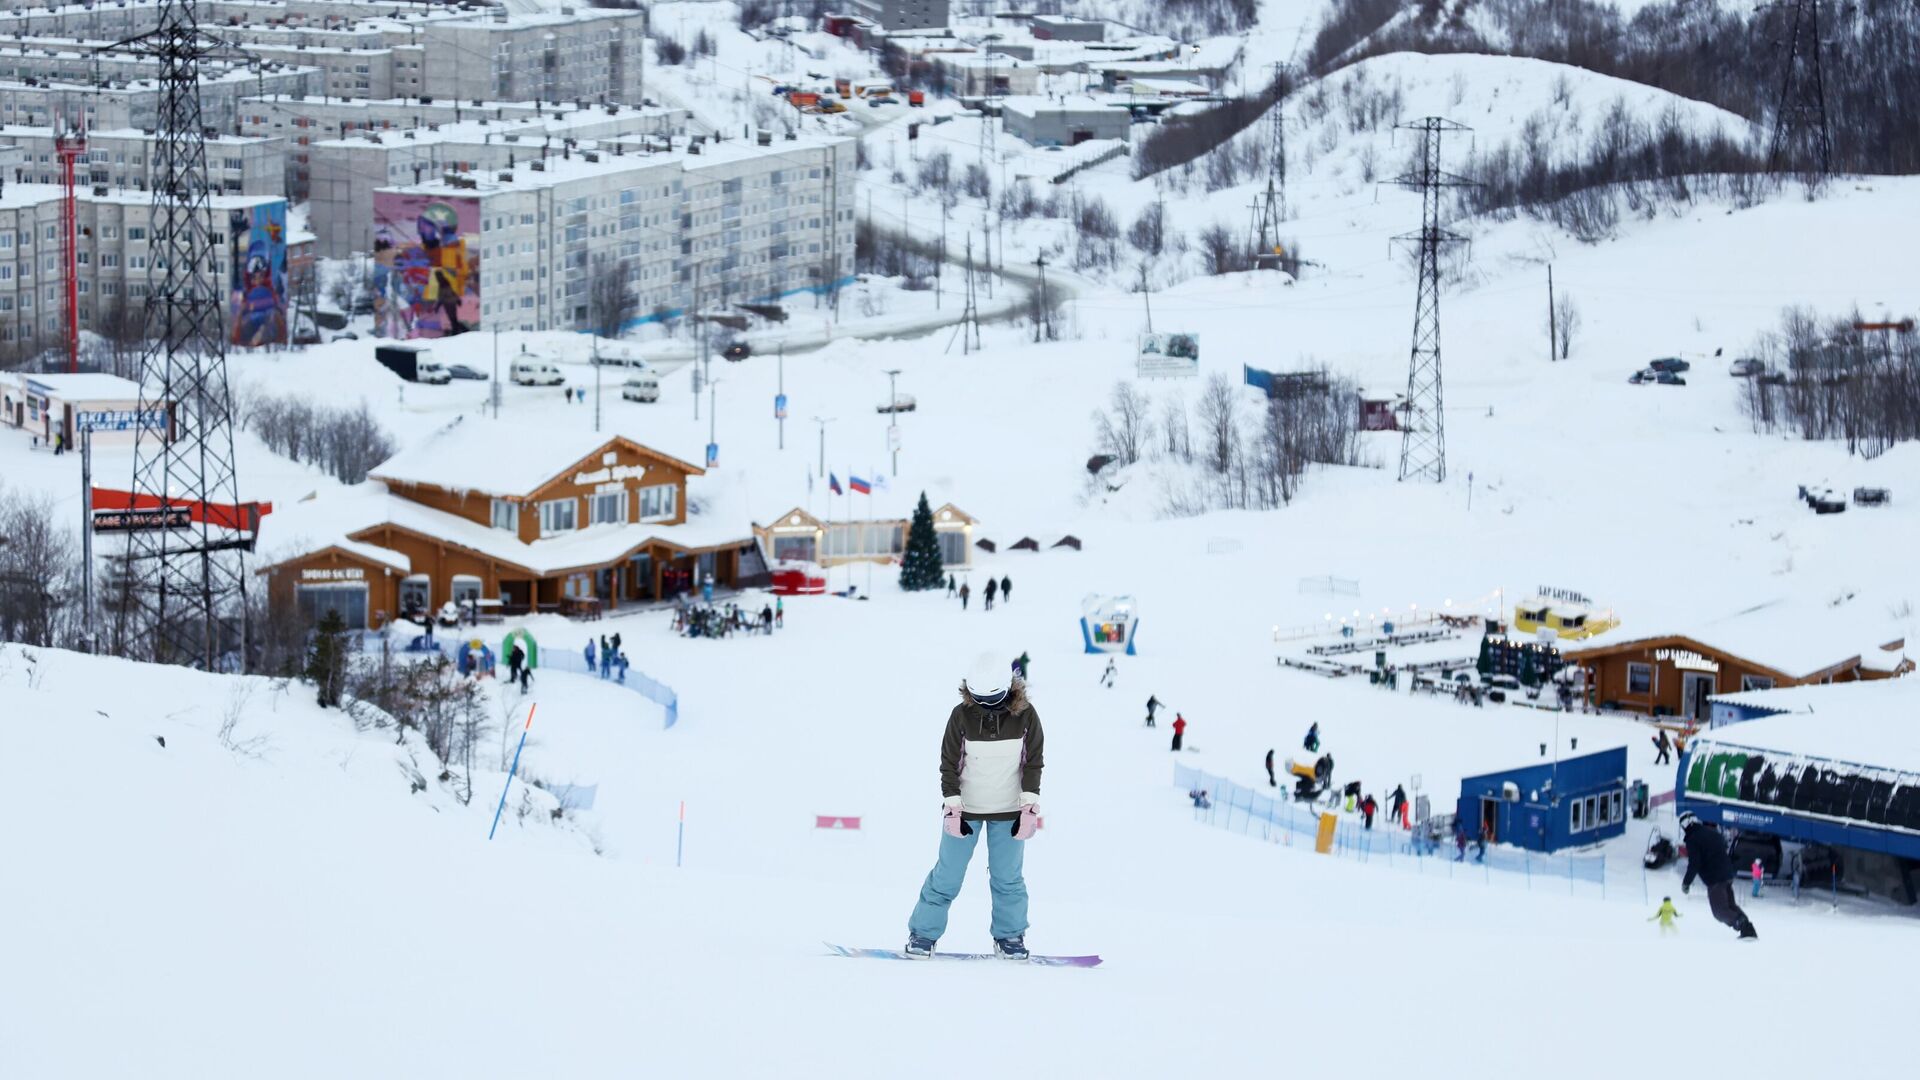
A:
(612, 304)
(1220, 250)
(1220, 421)
(1173, 422)
(1566, 323)
(1149, 232)
(39, 573)
(1125, 429)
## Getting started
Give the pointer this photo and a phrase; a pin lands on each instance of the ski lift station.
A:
(1837, 766)
(1549, 804)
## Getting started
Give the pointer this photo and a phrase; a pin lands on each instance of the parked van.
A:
(527, 371)
(641, 388)
(432, 372)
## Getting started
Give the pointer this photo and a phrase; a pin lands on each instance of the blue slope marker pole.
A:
(680, 842)
(514, 771)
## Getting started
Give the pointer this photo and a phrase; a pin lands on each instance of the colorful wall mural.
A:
(426, 273)
(257, 275)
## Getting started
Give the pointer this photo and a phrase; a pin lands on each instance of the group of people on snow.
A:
(719, 621)
(1001, 587)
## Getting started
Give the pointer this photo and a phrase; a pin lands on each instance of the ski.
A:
(896, 954)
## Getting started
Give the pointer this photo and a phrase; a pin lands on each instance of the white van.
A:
(433, 372)
(528, 371)
(641, 388)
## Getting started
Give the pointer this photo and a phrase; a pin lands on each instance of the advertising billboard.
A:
(426, 265)
(257, 275)
(1164, 355)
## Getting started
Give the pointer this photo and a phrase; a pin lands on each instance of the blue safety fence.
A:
(652, 689)
(575, 663)
(1282, 820)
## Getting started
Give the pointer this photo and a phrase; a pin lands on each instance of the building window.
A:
(1592, 821)
(347, 601)
(1755, 682)
(1639, 678)
(1577, 824)
(659, 502)
(558, 516)
(506, 515)
(608, 509)
(795, 548)
(416, 596)
(1614, 805)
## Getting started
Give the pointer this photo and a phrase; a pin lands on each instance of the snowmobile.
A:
(1660, 851)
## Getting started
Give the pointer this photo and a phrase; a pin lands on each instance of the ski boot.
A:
(918, 948)
(1010, 948)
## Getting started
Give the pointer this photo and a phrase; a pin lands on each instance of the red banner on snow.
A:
(826, 821)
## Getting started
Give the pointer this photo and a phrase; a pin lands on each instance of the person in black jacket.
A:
(1707, 860)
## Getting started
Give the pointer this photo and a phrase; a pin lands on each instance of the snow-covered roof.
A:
(1031, 105)
(1835, 702)
(330, 520)
(86, 386)
(1794, 637)
(492, 457)
(1867, 723)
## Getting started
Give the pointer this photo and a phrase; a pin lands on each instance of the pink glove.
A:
(952, 820)
(1028, 822)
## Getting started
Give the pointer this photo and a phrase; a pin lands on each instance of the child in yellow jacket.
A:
(1666, 915)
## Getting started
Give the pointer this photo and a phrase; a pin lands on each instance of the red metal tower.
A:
(71, 145)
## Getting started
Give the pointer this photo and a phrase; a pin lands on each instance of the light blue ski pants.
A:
(1005, 856)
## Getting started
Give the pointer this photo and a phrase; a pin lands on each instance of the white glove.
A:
(951, 802)
(1028, 798)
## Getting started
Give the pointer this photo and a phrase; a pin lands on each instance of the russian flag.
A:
(833, 484)
(859, 485)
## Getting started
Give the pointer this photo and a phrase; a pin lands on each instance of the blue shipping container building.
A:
(1552, 805)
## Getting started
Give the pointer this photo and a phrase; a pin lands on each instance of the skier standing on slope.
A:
(1661, 746)
(1152, 704)
(990, 764)
(1179, 729)
(1707, 860)
(1312, 742)
(1397, 804)
(1368, 808)
(1666, 915)
(1271, 782)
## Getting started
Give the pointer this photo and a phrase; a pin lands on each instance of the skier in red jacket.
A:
(1179, 729)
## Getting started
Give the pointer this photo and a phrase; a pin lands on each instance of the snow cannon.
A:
(1311, 780)
(1108, 624)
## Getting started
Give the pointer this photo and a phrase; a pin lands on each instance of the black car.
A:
(462, 371)
(1668, 378)
(737, 351)
(1669, 363)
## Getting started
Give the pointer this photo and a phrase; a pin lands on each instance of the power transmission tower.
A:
(1423, 442)
(1802, 139)
(189, 582)
(970, 320)
(1045, 315)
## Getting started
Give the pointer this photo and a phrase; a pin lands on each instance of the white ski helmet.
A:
(1688, 819)
(988, 679)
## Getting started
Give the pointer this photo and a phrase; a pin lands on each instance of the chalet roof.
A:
(1791, 639)
(491, 457)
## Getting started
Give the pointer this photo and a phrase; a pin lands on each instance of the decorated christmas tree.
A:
(921, 568)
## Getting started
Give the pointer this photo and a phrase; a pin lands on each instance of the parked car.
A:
(900, 403)
(1823, 500)
(1669, 363)
(1669, 378)
(433, 373)
(345, 336)
(1746, 366)
(737, 351)
(1870, 496)
(528, 371)
(462, 371)
(640, 388)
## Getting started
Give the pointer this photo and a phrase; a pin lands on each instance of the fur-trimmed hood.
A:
(1015, 704)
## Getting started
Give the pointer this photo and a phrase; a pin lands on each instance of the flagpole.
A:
(870, 519)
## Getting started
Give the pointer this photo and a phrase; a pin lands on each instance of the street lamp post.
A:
(893, 415)
(823, 421)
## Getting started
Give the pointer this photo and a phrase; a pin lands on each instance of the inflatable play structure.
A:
(1108, 624)
(519, 635)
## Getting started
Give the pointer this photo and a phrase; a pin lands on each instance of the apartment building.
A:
(894, 16)
(135, 103)
(589, 54)
(113, 231)
(123, 158)
(303, 120)
(343, 173)
(696, 226)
